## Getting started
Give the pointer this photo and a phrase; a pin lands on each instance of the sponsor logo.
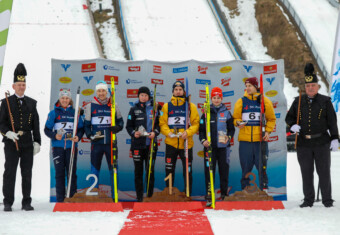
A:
(228, 105)
(84, 152)
(270, 80)
(180, 79)
(274, 130)
(85, 140)
(130, 154)
(134, 69)
(168, 160)
(202, 70)
(244, 80)
(200, 105)
(337, 71)
(222, 114)
(225, 69)
(159, 141)
(157, 69)
(65, 80)
(203, 81)
(202, 94)
(275, 103)
(180, 70)
(132, 81)
(232, 141)
(225, 81)
(135, 152)
(270, 69)
(91, 67)
(200, 153)
(161, 103)
(132, 93)
(273, 138)
(85, 103)
(88, 79)
(128, 141)
(274, 151)
(87, 92)
(160, 154)
(157, 81)
(65, 66)
(271, 93)
(228, 93)
(108, 67)
(277, 115)
(107, 79)
(248, 68)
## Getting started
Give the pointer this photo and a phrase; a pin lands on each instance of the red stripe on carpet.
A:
(250, 205)
(87, 207)
(167, 218)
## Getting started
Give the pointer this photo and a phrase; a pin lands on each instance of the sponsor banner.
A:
(335, 71)
(227, 75)
(270, 69)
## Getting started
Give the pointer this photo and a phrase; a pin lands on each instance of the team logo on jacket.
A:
(222, 114)
(202, 70)
(91, 67)
(107, 79)
(157, 69)
(270, 69)
(134, 69)
(59, 117)
(225, 69)
(168, 160)
(65, 80)
(94, 111)
(157, 81)
(136, 152)
(225, 81)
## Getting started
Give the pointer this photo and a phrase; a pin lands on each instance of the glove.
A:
(295, 128)
(115, 129)
(12, 135)
(335, 145)
(94, 138)
(36, 148)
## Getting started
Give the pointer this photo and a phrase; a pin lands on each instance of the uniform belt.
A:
(308, 137)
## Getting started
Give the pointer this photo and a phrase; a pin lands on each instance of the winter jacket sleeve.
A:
(237, 116)
(202, 129)
(130, 124)
(49, 125)
(194, 120)
(292, 114)
(163, 120)
(270, 115)
(87, 121)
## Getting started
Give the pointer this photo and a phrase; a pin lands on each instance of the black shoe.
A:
(140, 199)
(306, 204)
(8, 208)
(328, 203)
(27, 208)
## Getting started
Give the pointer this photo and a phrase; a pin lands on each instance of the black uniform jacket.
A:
(25, 118)
(317, 119)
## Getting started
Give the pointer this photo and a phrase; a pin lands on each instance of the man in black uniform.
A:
(25, 136)
(317, 134)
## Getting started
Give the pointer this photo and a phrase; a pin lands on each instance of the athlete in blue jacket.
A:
(222, 131)
(59, 127)
(98, 128)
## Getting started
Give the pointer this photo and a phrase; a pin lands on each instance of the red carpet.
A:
(167, 218)
(249, 205)
(87, 207)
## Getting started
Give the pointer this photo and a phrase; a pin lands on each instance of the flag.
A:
(5, 15)
(335, 72)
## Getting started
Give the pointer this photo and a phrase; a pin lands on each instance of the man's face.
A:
(19, 88)
(143, 97)
(101, 94)
(250, 89)
(178, 91)
(312, 89)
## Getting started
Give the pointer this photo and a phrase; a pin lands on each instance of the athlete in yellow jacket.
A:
(172, 124)
(247, 112)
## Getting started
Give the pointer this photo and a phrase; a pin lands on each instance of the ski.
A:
(75, 128)
(263, 155)
(211, 188)
(113, 140)
(187, 118)
(152, 144)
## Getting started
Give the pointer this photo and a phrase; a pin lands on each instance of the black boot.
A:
(306, 204)
(328, 203)
(27, 207)
(7, 208)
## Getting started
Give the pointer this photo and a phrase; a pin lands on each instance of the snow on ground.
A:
(174, 30)
(61, 29)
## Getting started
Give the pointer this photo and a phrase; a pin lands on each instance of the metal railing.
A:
(298, 22)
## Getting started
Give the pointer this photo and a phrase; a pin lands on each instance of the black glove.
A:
(115, 129)
(258, 99)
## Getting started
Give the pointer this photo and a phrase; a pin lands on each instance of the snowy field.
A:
(61, 29)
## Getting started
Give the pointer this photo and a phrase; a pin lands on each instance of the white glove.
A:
(36, 148)
(12, 135)
(335, 145)
(295, 128)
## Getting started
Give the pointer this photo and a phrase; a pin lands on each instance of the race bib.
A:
(63, 125)
(101, 120)
(251, 116)
(174, 121)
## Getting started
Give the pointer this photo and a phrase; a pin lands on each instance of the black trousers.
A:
(171, 154)
(219, 155)
(141, 160)
(12, 157)
(321, 156)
